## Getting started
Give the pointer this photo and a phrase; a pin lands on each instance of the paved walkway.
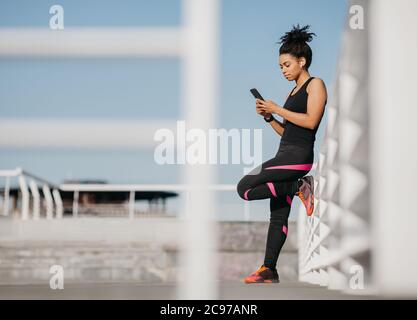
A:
(229, 290)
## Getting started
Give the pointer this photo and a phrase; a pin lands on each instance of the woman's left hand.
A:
(267, 106)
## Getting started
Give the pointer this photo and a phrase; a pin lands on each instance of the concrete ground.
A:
(141, 291)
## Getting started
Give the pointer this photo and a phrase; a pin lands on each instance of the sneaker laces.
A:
(262, 268)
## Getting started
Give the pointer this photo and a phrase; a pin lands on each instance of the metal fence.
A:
(360, 237)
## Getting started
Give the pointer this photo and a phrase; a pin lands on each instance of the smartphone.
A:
(256, 94)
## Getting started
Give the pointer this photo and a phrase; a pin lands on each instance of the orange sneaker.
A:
(263, 275)
(306, 193)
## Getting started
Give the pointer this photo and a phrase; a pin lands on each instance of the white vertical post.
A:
(199, 94)
(75, 204)
(132, 204)
(6, 197)
(25, 198)
(49, 201)
(36, 199)
(58, 204)
(159, 207)
(149, 207)
(164, 206)
(246, 210)
(393, 147)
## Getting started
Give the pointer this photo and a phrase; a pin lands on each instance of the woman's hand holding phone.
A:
(261, 111)
(258, 99)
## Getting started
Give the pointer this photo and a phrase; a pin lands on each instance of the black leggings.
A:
(277, 179)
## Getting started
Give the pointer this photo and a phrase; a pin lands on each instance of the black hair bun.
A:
(297, 34)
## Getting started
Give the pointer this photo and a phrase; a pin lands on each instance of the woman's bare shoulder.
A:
(316, 84)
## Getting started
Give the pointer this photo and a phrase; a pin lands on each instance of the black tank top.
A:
(293, 133)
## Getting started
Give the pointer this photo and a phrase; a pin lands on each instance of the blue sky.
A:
(124, 88)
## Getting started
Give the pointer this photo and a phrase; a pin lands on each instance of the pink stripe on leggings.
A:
(246, 194)
(272, 188)
(289, 200)
(285, 230)
(305, 167)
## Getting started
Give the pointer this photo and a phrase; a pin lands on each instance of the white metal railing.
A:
(133, 188)
(361, 235)
(49, 204)
(49, 201)
(336, 238)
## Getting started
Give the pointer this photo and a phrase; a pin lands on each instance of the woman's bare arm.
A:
(277, 126)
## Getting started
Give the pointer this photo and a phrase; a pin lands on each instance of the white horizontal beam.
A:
(80, 133)
(145, 187)
(91, 42)
(11, 173)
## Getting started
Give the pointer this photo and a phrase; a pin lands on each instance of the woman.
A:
(281, 178)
